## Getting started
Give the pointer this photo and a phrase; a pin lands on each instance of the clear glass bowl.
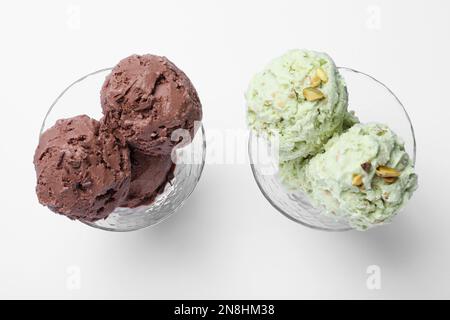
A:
(83, 97)
(373, 102)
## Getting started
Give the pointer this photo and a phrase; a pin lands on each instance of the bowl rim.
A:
(44, 122)
(411, 127)
(268, 198)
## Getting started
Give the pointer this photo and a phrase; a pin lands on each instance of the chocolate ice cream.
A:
(145, 99)
(85, 169)
(81, 172)
(149, 176)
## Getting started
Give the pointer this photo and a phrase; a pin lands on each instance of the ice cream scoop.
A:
(149, 176)
(145, 99)
(364, 176)
(82, 172)
(301, 99)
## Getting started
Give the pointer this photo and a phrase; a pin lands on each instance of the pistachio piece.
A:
(390, 180)
(322, 75)
(387, 172)
(312, 94)
(366, 166)
(357, 180)
(315, 81)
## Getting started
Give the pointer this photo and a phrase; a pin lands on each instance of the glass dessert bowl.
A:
(82, 97)
(372, 101)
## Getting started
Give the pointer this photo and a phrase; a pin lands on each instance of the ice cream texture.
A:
(149, 176)
(82, 172)
(145, 99)
(364, 176)
(301, 99)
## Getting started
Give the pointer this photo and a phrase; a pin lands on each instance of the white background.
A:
(227, 241)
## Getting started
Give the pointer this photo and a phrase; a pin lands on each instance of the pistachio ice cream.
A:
(364, 176)
(358, 173)
(301, 99)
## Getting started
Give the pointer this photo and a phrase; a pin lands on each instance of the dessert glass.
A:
(83, 97)
(372, 101)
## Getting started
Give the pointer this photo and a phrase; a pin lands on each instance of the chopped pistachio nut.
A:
(357, 180)
(315, 81)
(390, 180)
(322, 75)
(387, 172)
(312, 94)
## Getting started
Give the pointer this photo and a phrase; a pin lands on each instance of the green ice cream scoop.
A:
(301, 99)
(364, 176)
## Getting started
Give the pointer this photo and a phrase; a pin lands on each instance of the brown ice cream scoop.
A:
(145, 99)
(149, 176)
(82, 172)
